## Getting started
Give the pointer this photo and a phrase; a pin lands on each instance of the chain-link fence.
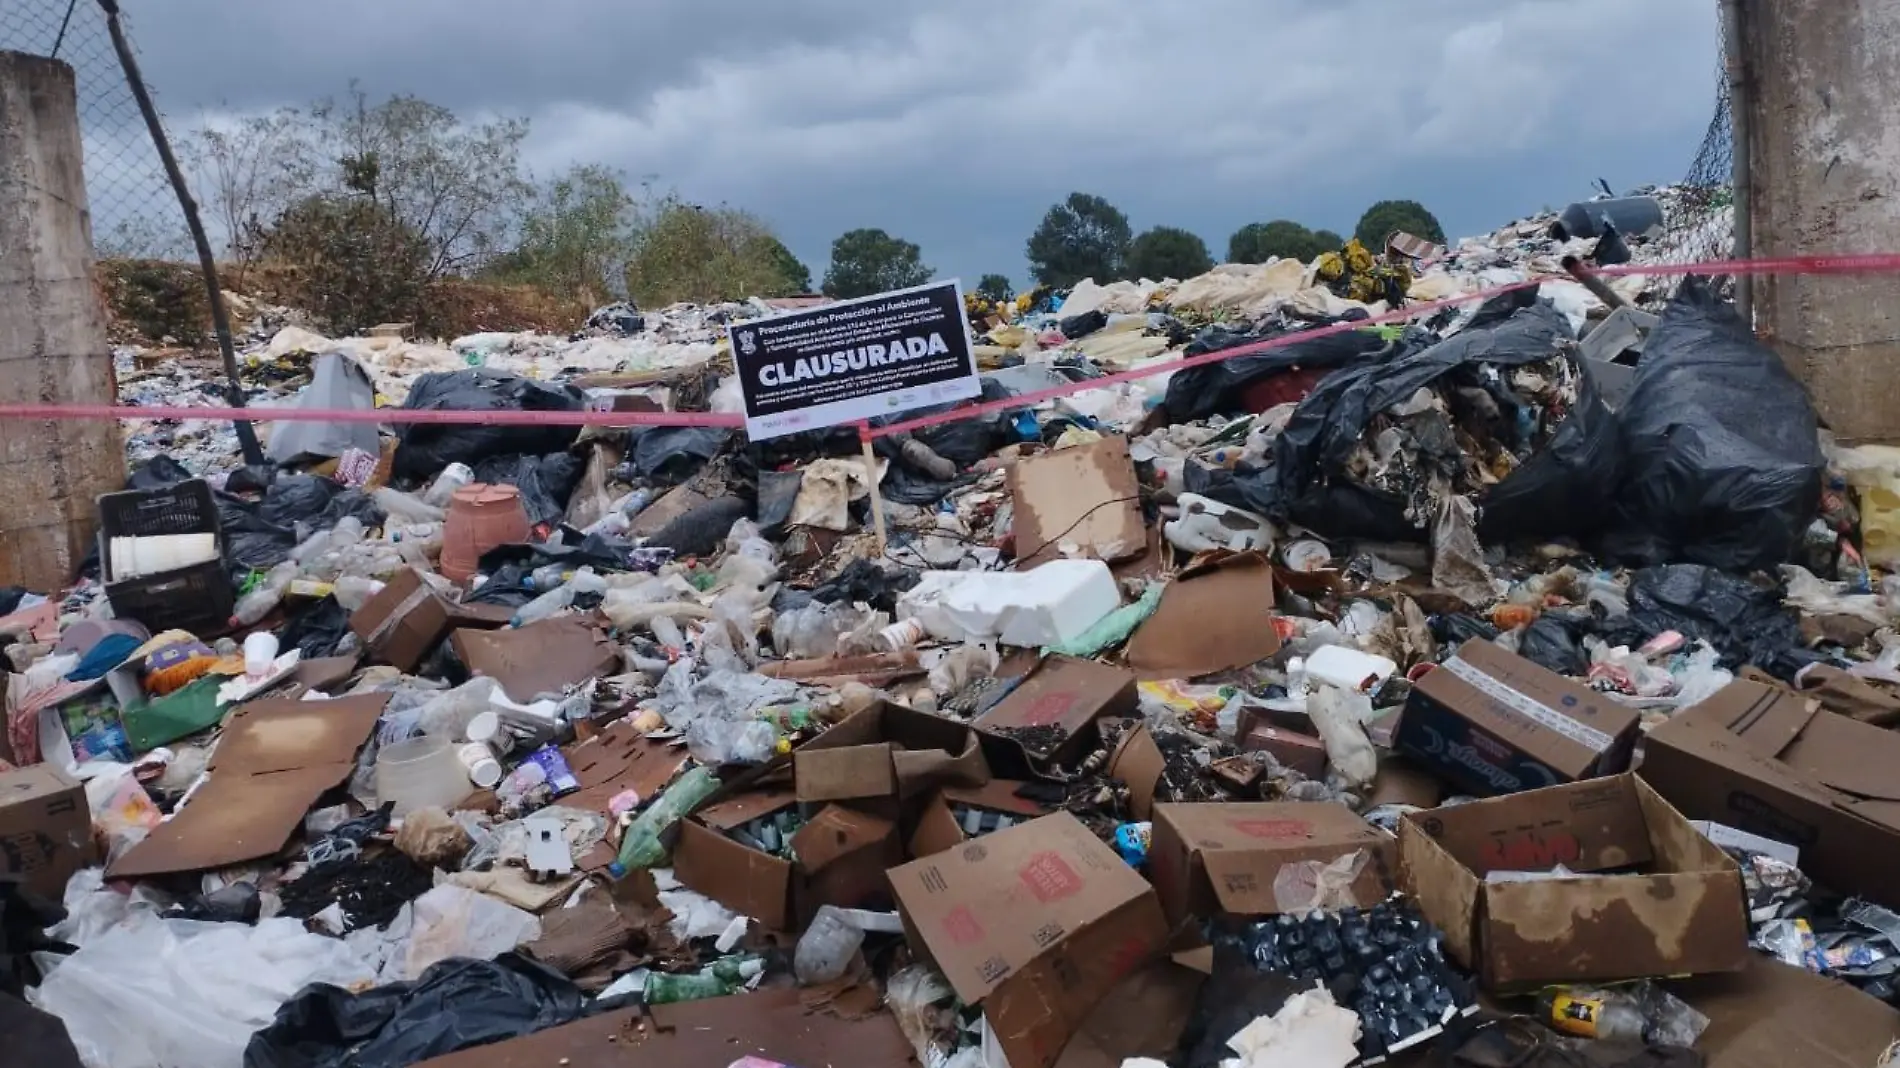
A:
(134, 212)
(1699, 213)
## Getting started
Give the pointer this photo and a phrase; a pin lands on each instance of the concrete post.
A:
(1826, 179)
(53, 347)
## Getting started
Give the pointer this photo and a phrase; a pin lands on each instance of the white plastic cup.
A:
(484, 727)
(260, 652)
(483, 769)
(901, 636)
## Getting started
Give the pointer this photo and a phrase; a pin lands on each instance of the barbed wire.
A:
(134, 212)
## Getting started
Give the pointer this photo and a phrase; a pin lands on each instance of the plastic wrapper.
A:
(1340, 718)
(456, 1005)
(1724, 462)
(1319, 884)
(154, 991)
(926, 1011)
(822, 630)
(452, 922)
(1745, 623)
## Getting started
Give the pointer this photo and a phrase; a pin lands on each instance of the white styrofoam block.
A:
(1048, 605)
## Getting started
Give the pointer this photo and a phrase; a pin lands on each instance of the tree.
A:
(456, 186)
(1381, 219)
(248, 171)
(995, 288)
(870, 261)
(576, 235)
(1168, 252)
(357, 263)
(685, 252)
(1260, 242)
(1082, 237)
(796, 276)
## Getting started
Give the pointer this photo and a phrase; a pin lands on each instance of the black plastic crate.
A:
(198, 598)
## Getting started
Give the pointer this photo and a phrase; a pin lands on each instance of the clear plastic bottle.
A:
(405, 508)
(640, 846)
(1598, 1014)
(269, 593)
(353, 591)
(826, 948)
(452, 478)
(559, 598)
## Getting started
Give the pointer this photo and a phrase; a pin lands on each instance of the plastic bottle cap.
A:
(616, 870)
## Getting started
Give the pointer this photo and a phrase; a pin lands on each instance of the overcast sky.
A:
(956, 125)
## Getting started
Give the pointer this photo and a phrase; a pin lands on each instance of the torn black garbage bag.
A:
(424, 449)
(456, 1005)
(1559, 487)
(1745, 623)
(546, 483)
(1724, 460)
(1215, 388)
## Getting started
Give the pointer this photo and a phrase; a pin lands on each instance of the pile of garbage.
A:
(1393, 693)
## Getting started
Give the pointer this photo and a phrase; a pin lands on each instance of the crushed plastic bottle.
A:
(452, 478)
(722, 978)
(827, 946)
(269, 593)
(559, 598)
(640, 845)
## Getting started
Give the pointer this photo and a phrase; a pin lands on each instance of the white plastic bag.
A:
(1340, 717)
(153, 992)
(453, 922)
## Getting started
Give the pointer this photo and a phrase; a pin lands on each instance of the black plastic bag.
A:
(1562, 489)
(318, 503)
(1724, 463)
(622, 317)
(316, 630)
(873, 584)
(1745, 623)
(1080, 326)
(455, 1005)
(1554, 643)
(546, 483)
(424, 449)
(1215, 388)
(964, 442)
(157, 473)
(237, 903)
(669, 455)
(778, 493)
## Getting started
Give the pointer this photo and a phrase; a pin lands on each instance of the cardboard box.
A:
(842, 857)
(1668, 902)
(1035, 924)
(45, 828)
(886, 756)
(1223, 859)
(1087, 496)
(1771, 1015)
(1260, 731)
(1773, 763)
(1061, 697)
(407, 618)
(939, 829)
(1493, 723)
(1217, 615)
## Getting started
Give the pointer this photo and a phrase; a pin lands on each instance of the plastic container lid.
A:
(484, 727)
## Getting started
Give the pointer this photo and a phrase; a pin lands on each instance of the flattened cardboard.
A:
(1681, 912)
(426, 618)
(1494, 723)
(1036, 924)
(1086, 496)
(1770, 762)
(45, 828)
(772, 1024)
(544, 657)
(1215, 616)
(277, 757)
(1063, 692)
(1222, 859)
(1771, 1015)
(921, 752)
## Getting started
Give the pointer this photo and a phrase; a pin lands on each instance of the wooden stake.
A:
(877, 497)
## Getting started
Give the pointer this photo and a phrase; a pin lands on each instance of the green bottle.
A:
(723, 978)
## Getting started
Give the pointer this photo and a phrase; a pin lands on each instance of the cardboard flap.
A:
(1771, 1015)
(1243, 881)
(1766, 718)
(745, 880)
(1177, 642)
(1850, 756)
(1138, 762)
(1447, 891)
(838, 832)
(1609, 927)
(1589, 826)
(544, 657)
(845, 774)
(1087, 496)
(278, 734)
(924, 752)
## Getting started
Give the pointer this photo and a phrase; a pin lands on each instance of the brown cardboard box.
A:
(1062, 693)
(1087, 496)
(1036, 924)
(887, 755)
(1673, 905)
(1216, 615)
(937, 826)
(45, 828)
(1222, 859)
(1772, 762)
(842, 857)
(407, 618)
(1493, 723)
(1294, 749)
(1770, 1015)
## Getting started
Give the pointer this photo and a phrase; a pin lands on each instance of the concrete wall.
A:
(53, 347)
(1826, 142)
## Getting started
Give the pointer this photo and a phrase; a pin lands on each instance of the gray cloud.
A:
(957, 125)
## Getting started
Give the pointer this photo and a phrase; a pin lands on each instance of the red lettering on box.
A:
(1047, 709)
(962, 927)
(1531, 851)
(1050, 878)
(1278, 830)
